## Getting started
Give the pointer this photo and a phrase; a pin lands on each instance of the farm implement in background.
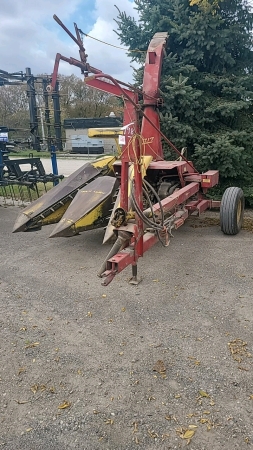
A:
(140, 196)
(23, 179)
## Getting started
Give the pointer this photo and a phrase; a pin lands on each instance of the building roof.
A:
(4, 129)
(99, 122)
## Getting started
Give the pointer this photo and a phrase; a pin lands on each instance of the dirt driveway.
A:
(163, 365)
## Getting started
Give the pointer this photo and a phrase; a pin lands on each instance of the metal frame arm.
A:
(82, 64)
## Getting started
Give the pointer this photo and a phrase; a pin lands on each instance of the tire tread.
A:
(228, 210)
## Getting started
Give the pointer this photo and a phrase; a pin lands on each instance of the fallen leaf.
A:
(64, 405)
(251, 397)
(33, 344)
(178, 396)
(135, 425)
(109, 421)
(21, 402)
(28, 429)
(188, 434)
(206, 412)
(123, 309)
(165, 435)
(204, 394)
(21, 370)
(203, 420)
(238, 350)
(89, 314)
(152, 434)
(104, 295)
(159, 367)
(38, 387)
(192, 426)
(34, 388)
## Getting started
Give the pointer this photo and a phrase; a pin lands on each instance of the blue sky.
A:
(29, 36)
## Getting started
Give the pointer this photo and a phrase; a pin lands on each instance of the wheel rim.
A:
(239, 212)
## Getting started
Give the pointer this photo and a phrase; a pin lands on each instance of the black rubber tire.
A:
(232, 210)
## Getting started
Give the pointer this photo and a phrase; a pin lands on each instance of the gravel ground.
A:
(166, 364)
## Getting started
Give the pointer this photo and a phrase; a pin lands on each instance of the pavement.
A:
(66, 164)
(166, 364)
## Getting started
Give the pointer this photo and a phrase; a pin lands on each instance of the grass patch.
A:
(28, 153)
(23, 193)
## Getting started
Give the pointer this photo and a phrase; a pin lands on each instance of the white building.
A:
(77, 140)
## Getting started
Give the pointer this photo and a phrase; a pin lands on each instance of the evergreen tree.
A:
(207, 79)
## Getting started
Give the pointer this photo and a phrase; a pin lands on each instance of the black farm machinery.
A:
(138, 196)
(23, 179)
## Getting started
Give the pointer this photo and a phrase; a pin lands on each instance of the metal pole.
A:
(42, 126)
(32, 109)
(47, 114)
(54, 163)
(1, 162)
(57, 117)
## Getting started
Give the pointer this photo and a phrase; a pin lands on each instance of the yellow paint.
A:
(33, 208)
(105, 161)
(68, 221)
(55, 216)
(105, 132)
(90, 218)
(145, 161)
(206, 180)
